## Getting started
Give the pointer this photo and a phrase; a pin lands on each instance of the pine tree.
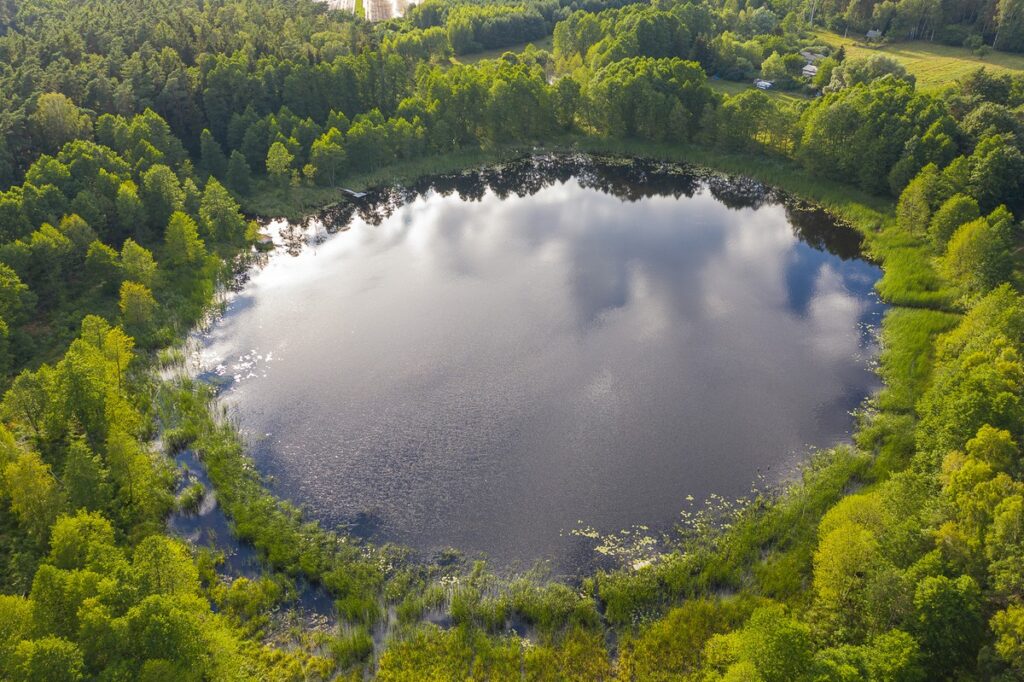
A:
(214, 161)
(239, 175)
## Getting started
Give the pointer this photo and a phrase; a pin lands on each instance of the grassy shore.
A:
(869, 212)
(271, 200)
(711, 558)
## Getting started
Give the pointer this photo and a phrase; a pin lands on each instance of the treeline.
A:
(996, 23)
(459, 107)
(727, 44)
(879, 133)
(93, 587)
(635, 31)
(260, 94)
(97, 588)
(124, 56)
(474, 26)
(83, 228)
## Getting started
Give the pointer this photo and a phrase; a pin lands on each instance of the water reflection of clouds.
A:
(832, 316)
(482, 373)
(595, 249)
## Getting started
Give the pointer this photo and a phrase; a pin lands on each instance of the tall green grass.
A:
(909, 277)
(761, 547)
(908, 339)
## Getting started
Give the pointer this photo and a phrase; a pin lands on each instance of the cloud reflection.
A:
(483, 374)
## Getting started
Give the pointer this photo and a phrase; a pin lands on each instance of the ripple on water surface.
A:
(485, 360)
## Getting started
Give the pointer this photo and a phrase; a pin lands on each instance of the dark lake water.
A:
(486, 361)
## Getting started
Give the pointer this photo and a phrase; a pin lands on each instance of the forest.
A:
(137, 138)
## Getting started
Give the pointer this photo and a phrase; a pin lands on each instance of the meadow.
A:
(545, 43)
(933, 64)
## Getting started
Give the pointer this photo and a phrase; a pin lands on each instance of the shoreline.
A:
(841, 211)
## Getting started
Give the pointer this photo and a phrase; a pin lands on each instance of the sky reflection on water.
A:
(485, 374)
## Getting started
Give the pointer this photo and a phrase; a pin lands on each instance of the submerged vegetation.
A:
(133, 132)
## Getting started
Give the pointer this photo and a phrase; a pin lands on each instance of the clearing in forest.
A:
(933, 64)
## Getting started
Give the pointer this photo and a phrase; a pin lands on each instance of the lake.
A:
(489, 360)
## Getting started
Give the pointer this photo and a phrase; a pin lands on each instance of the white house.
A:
(763, 84)
(810, 71)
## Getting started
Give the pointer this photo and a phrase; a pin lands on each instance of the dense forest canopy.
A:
(132, 134)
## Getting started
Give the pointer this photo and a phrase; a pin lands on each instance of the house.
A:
(874, 35)
(811, 57)
(810, 71)
(763, 84)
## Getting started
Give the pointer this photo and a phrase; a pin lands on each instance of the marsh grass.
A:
(191, 497)
(351, 647)
(905, 364)
(909, 276)
(764, 546)
(909, 279)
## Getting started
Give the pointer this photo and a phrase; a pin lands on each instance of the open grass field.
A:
(544, 43)
(933, 64)
(736, 87)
